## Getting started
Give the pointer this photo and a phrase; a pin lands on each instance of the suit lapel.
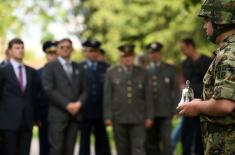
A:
(14, 76)
(76, 72)
(28, 78)
(85, 68)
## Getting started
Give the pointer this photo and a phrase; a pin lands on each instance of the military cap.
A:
(154, 47)
(127, 49)
(221, 12)
(49, 46)
(91, 44)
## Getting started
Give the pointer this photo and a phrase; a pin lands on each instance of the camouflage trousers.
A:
(218, 139)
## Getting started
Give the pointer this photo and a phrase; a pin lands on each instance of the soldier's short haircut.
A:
(64, 40)
(14, 41)
(189, 41)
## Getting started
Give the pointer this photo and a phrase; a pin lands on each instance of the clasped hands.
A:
(73, 107)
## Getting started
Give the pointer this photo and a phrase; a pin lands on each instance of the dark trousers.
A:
(16, 142)
(191, 136)
(130, 138)
(44, 139)
(101, 138)
(159, 137)
(62, 137)
(1, 142)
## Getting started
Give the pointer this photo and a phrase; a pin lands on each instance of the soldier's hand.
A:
(108, 122)
(148, 123)
(189, 109)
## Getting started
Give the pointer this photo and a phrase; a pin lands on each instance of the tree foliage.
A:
(113, 22)
(143, 21)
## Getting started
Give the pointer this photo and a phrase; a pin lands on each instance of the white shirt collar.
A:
(155, 64)
(63, 61)
(15, 63)
(89, 63)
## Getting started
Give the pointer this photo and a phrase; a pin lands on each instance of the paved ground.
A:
(34, 148)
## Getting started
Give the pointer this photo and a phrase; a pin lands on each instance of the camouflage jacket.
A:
(219, 81)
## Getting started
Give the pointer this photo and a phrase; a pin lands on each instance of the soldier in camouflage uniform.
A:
(217, 109)
(128, 104)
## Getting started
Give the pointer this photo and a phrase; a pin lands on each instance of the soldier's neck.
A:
(223, 36)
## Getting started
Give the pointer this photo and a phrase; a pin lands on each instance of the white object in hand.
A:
(187, 94)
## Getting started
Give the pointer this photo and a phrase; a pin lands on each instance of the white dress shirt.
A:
(67, 65)
(90, 63)
(16, 65)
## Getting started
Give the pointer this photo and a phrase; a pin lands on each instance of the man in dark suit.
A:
(92, 116)
(193, 68)
(17, 93)
(49, 47)
(62, 83)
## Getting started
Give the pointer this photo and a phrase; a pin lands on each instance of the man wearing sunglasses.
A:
(62, 83)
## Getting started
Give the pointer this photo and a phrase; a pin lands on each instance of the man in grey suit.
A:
(128, 103)
(62, 83)
(165, 91)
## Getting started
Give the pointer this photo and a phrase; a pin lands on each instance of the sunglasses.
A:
(65, 47)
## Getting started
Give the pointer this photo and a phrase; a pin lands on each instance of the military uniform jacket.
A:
(127, 97)
(219, 81)
(93, 89)
(164, 88)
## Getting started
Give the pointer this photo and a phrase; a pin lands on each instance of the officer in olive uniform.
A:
(217, 109)
(165, 90)
(49, 47)
(128, 103)
(92, 115)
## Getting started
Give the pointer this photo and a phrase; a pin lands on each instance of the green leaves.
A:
(141, 22)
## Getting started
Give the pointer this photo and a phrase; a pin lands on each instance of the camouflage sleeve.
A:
(225, 77)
